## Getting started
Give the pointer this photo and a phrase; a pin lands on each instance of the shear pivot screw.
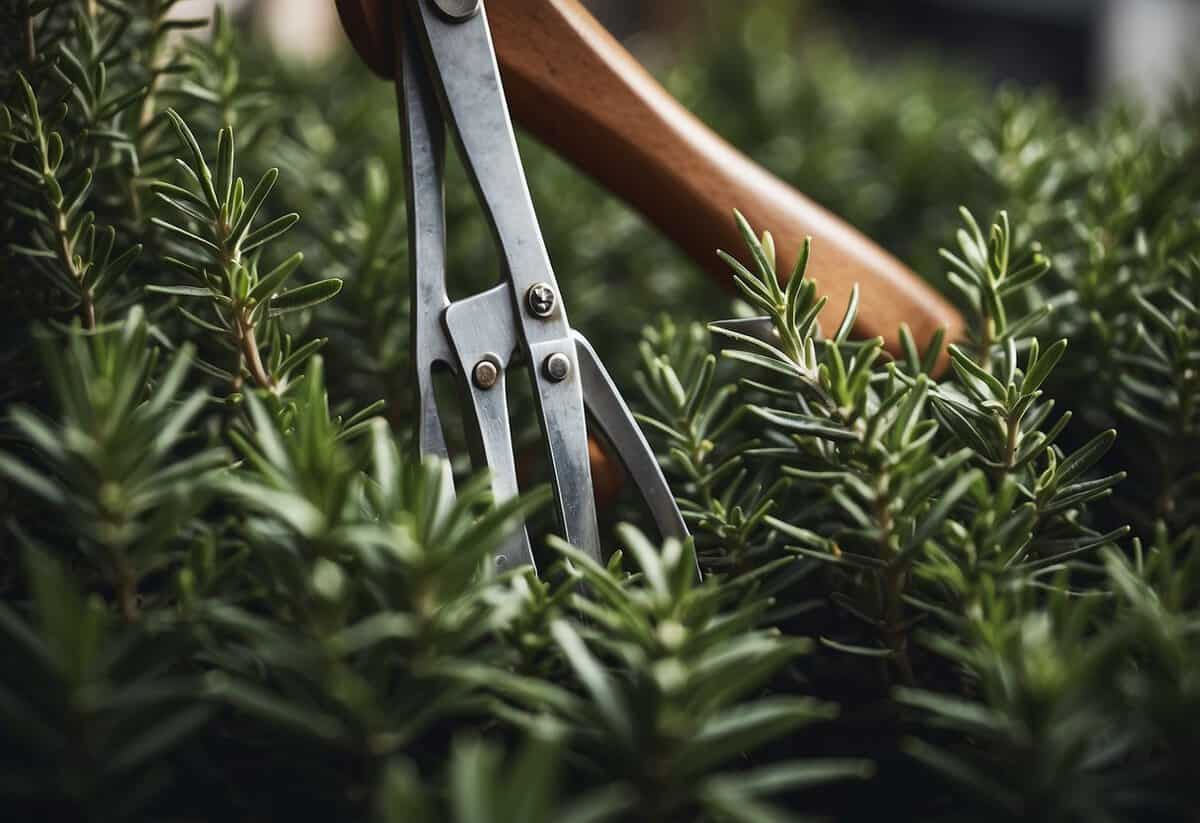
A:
(486, 371)
(457, 10)
(558, 366)
(540, 299)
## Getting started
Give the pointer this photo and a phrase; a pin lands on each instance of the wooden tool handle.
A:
(578, 90)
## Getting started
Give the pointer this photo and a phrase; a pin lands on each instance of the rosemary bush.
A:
(231, 589)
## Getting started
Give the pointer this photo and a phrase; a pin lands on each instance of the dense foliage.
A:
(230, 589)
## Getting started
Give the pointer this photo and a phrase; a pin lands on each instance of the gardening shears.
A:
(448, 80)
(577, 89)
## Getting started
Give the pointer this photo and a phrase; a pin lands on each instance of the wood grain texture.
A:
(368, 25)
(572, 85)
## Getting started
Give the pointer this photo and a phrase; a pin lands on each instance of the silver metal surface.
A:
(565, 430)
(448, 74)
(615, 421)
(540, 299)
(457, 10)
(424, 140)
(463, 65)
(479, 327)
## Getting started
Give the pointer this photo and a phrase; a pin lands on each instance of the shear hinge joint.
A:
(457, 11)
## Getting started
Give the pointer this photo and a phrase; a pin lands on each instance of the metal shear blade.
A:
(447, 74)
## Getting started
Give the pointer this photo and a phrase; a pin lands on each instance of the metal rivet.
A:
(558, 366)
(540, 299)
(457, 10)
(486, 371)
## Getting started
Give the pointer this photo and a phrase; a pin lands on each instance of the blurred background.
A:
(891, 115)
(1085, 49)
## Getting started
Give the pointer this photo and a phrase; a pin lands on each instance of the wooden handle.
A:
(579, 91)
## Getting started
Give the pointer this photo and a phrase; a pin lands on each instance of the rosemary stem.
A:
(27, 35)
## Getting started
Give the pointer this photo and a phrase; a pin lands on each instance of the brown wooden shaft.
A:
(571, 84)
(578, 90)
